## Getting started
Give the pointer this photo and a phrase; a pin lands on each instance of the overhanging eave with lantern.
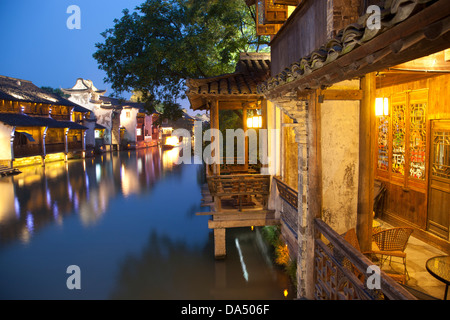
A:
(233, 91)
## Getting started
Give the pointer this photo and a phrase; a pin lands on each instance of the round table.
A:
(439, 267)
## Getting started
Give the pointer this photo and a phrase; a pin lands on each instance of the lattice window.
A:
(383, 143)
(402, 140)
(417, 141)
(441, 161)
(398, 138)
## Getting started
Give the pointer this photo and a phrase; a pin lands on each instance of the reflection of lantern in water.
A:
(170, 157)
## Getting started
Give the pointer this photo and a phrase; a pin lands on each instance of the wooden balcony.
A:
(340, 270)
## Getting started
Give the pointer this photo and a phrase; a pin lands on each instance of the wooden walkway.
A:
(6, 171)
(234, 211)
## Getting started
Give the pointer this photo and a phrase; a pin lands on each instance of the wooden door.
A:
(439, 187)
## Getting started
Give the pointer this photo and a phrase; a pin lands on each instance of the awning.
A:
(26, 134)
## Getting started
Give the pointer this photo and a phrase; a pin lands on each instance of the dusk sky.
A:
(38, 46)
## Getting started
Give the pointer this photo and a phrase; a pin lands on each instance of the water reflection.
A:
(127, 219)
(42, 195)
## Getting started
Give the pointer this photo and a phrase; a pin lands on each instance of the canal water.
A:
(128, 221)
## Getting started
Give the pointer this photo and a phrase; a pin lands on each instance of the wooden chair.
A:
(392, 242)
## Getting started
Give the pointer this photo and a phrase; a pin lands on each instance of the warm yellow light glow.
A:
(55, 156)
(249, 122)
(254, 122)
(27, 161)
(285, 292)
(381, 107)
(252, 228)
(170, 158)
(257, 122)
(172, 141)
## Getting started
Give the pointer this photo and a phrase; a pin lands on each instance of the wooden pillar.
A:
(215, 142)
(310, 188)
(83, 142)
(366, 163)
(264, 157)
(11, 141)
(43, 136)
(220, 250)
(244, 127)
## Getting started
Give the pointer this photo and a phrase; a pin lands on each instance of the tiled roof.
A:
(119, 103)
(83, 85)
(23, 120)
(347, 40)
(23, 90)
(251, 69)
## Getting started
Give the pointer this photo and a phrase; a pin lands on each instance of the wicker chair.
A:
(392, 243)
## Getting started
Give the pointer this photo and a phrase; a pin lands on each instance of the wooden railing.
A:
(341, 272)
(236, 165)
(239, 185)
(27, 150)
(287, 193)
(54, 147)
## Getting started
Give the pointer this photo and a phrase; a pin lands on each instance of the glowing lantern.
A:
(381, 107)
(254, 122)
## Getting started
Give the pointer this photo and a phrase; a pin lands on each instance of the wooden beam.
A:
(236, 214)
(242, 223)
(332, 94)
(230, 105)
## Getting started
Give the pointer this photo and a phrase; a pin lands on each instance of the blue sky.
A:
(38, 46)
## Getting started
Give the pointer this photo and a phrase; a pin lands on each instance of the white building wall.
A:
(128, 121)
(5, 141)
(148, 122)
(340, 159)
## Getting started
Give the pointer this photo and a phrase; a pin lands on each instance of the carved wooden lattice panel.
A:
(239, 185)
(417, 141)
(335, 279)
(383, 143)
(398, 136)
(441, 161)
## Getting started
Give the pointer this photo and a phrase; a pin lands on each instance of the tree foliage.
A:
(56, 91)
(154, 49)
